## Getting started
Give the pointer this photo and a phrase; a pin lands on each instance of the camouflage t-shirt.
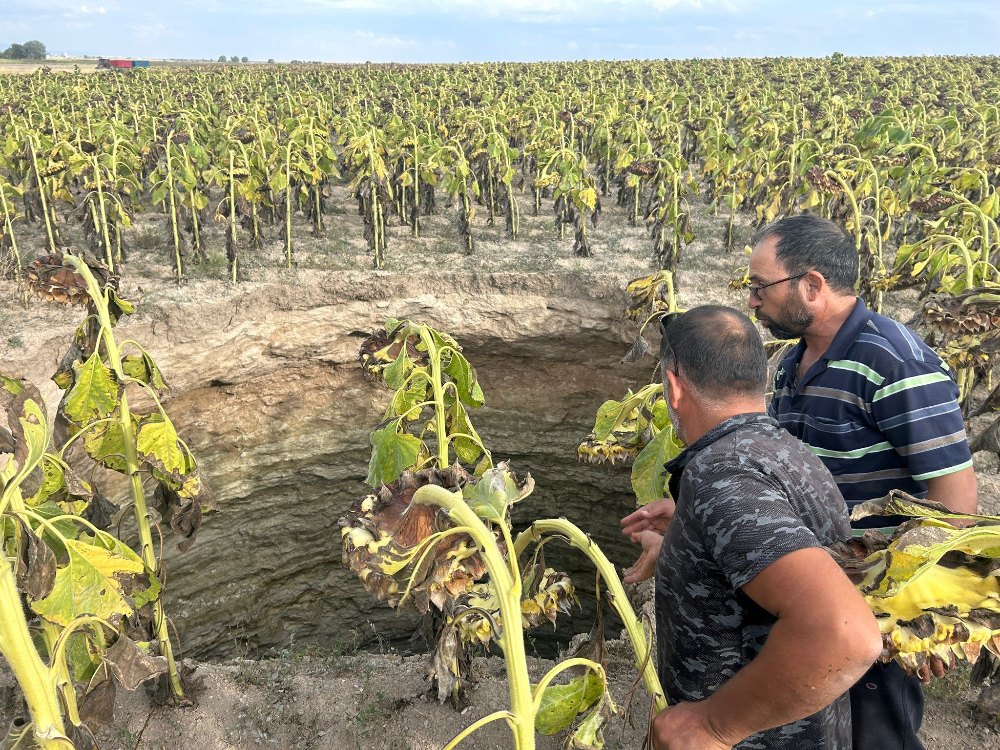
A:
(747, 493)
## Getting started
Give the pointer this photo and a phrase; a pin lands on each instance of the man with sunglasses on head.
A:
(873, 402)
(759, 633)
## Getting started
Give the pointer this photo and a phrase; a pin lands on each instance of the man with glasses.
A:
(759, 633)
(873, 401)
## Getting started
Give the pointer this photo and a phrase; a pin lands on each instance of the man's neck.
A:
(708, 419)
(824, 329)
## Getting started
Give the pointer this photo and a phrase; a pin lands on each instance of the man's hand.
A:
(645, 566)
(684, 727)
(654, 516)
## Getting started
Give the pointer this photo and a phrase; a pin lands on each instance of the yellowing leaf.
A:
(94, 394)
(156, 443)
(561, 704)
(144, 369)
(106, 445)
(106, 579)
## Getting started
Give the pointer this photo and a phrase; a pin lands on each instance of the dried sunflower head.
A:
(476, 613)
(545, 181)
(53, 169)
(592, 451)
(641, 168)
(933, 588)
(817, 178)
(976, 311)
(894, 160)
(647, 295)
(387, 543)
(934, 204)
(51, 278)
(381, 349)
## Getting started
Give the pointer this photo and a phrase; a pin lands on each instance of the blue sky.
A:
(477, 30)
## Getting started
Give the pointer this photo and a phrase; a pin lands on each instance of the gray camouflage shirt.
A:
(747, 494)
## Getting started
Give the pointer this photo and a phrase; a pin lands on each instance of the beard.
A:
(792, 320)
(675, 420)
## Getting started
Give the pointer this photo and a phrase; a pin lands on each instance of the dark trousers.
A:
(887, 708)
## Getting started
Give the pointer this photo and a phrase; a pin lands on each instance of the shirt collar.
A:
(753, 420)
(849, 331)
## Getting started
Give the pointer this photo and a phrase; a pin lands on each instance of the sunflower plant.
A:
(434, 535)
(98, 375)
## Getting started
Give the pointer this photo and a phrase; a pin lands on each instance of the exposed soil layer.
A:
(267, 391)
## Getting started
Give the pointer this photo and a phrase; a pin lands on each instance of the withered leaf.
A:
(36, 565)
(100, 511)
(130, 665)
(97, 704)
(637, 351)
(447, 666)
(183, 514)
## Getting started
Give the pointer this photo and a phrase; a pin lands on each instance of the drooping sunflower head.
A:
(391, 544)
(52, 279)
(933, 588)
(382, 348)
(933, 204)
(818, 180)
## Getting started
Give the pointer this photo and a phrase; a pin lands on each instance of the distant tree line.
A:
(33, 50)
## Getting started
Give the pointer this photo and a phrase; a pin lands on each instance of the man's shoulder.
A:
(884, 344)
(766, 449)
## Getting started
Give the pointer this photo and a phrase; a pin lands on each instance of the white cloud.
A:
(373, 39)
(85, 10)
(150, 31)
(519, 10)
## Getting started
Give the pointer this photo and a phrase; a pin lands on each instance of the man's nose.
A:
(752, 302)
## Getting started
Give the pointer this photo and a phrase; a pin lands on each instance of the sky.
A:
(511, 30)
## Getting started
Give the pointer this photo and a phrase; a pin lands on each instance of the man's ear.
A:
(673, 390)
(814, 285)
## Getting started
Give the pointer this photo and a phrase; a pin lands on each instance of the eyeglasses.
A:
(756, 290)
(665, 323)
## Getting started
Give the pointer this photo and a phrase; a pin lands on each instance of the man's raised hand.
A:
(654, 516)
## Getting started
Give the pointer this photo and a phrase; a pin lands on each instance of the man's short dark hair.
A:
(717, 350)
(807, 243)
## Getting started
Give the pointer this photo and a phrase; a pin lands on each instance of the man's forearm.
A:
(797, 673)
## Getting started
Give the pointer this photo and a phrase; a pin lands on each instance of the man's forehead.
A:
(763, 259)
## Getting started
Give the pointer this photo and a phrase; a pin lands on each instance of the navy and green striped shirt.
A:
(880, 409)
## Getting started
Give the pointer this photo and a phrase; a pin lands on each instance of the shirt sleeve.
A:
(747, 522)
(916, 408)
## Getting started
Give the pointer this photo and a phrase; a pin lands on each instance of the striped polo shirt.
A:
(880, 409)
